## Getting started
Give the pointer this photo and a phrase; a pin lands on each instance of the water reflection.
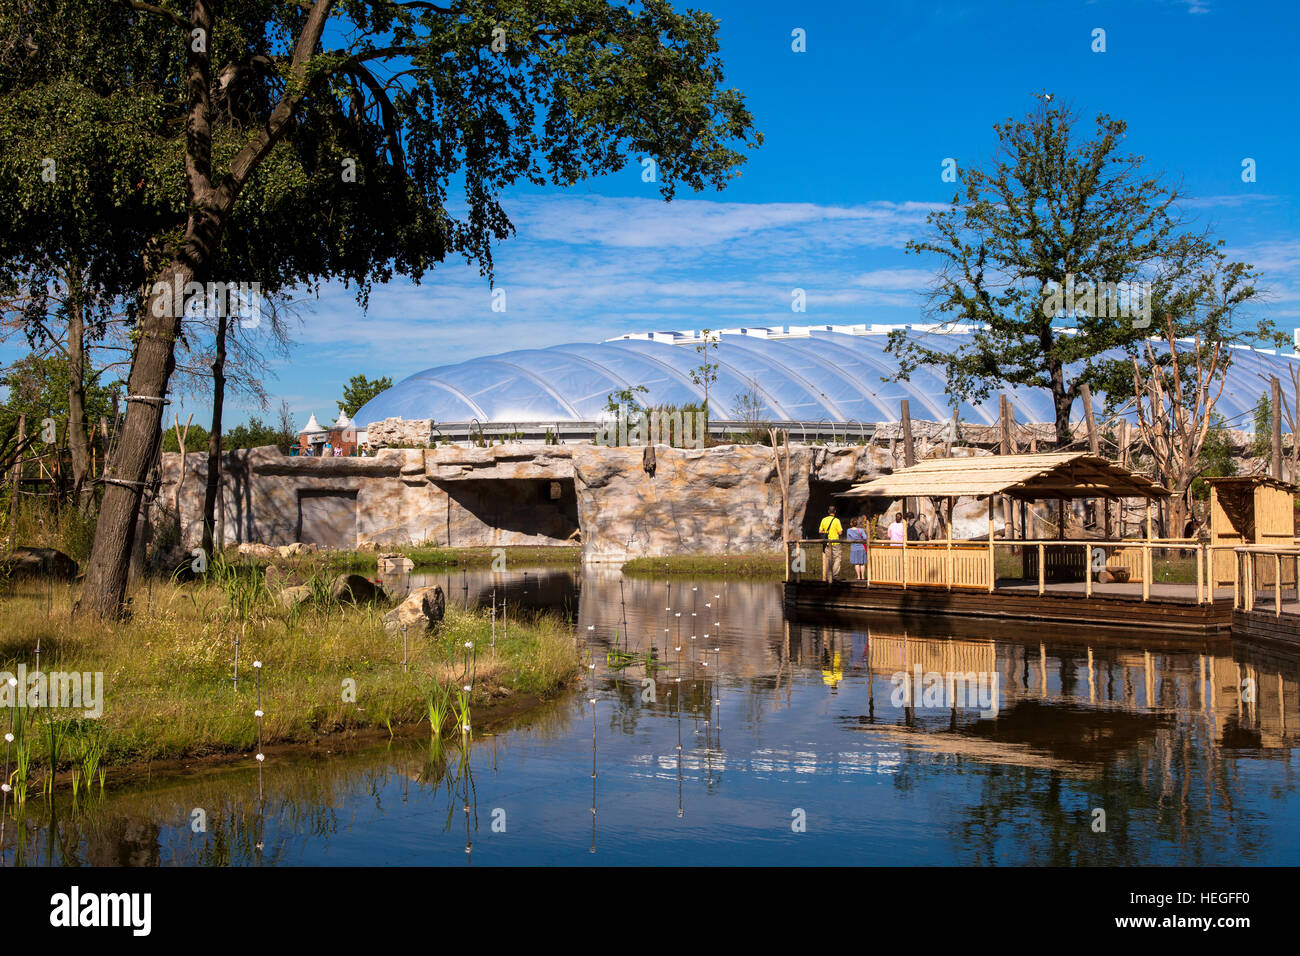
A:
(710, 724)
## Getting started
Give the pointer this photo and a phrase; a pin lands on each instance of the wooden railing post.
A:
(1146, 569)
(993, 564)
(1277, 585)
(1087, 570)
(904, 571)
(1200, 568)
(1042, 570)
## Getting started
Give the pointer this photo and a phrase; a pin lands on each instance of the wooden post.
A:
(1277, 428)
(1087, 570)
(17, 481)
(1042, 574)
(906, 529)
(1004, 445)
(1146, 557)
(993, 565)
(1277, 577)
(1004, 448)
(909, 453)
(909, 459)
(948, 542)
(871, 531)
(1200, 571)
(1086, 394)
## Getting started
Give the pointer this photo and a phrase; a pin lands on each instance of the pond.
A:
(752, 739)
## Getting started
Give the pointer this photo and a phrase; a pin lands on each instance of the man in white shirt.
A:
(897, 530)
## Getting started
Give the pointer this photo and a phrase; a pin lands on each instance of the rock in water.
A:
(420, 613)
(40, 563)
(354, 589)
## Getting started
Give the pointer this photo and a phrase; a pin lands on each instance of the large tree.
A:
(369, 139)
(1054, 210)
(360, 390)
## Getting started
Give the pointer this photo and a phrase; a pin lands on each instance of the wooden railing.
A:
(1268, 569)
(973, 565)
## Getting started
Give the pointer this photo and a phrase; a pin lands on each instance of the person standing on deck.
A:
(857, 552)
(830, 529)
(897, 530)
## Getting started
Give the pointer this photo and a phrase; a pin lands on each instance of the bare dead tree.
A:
(1291, 413)
(1174, 416)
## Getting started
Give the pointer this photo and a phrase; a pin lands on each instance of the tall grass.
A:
(37, 525)
(167, 668)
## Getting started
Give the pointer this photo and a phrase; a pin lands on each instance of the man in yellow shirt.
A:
(831, 529)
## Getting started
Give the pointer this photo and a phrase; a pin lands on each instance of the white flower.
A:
(9, 738)
(257, 663)
(261, 756)
(257, 713)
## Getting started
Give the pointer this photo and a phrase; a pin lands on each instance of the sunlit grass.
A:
(169, 668)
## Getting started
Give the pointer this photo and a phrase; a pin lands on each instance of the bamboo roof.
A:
(1249, 482)
(1030, 477)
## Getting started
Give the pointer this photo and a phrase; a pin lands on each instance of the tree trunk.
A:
(78, 437)
(104, 590)
(213, 488)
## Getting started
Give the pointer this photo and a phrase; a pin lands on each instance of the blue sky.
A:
(856, 128)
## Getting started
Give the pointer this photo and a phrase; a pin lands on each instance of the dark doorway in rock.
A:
(821, 495)
(328, 519)
(516, 511)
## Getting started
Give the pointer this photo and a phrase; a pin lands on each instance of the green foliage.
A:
(255, 434)
(1261, 446)
(1218, 457)
(1058, 207)
(38, 388)
(705, 375)
(401, 105)
(196, 439)
(360, 390)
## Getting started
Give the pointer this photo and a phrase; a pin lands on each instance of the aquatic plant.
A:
(22, 756)
(55, 731)
(438, 709)
(89, 756)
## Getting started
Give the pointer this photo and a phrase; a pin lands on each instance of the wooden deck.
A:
(1266, 625)
(1171, 607)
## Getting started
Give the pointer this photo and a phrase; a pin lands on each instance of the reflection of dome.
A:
(313, 427)
(813, 374)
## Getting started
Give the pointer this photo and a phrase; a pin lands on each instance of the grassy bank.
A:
(433, 559)
(168, 671)
(740, 565)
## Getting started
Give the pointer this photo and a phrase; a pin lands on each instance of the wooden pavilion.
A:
(1062, 476)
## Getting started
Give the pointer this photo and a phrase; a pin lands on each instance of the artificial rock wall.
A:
(726, 498)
